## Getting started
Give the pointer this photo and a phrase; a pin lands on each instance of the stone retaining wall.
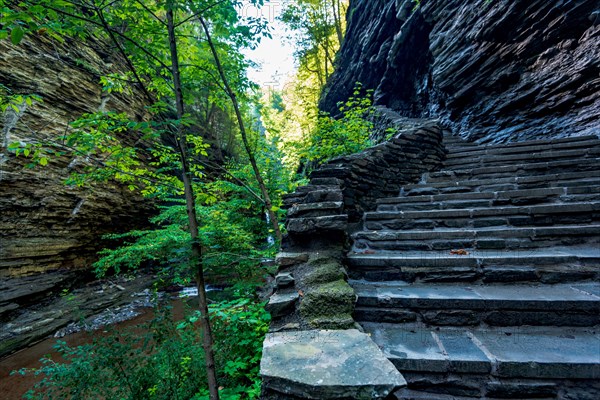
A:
(359, 179)
(312, 292)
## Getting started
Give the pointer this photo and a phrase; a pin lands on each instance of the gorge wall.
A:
(44, 224)
(480, 66)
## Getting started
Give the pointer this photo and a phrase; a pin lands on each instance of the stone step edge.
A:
(519, 180)
(592, 164)
(488, 297)
(534, 147)
(474, 212)
(570, 139)
(590, 152)
(559, 353)
(438, 258)
(498, 195)
(477, 233)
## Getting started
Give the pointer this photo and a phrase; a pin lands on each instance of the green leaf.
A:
(17, 35)
(43, 161)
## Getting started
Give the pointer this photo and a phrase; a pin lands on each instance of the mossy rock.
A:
(330, 271)
(328, 299)
(318, 260)
(342, 321)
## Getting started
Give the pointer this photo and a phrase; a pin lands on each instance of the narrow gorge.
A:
(433, 165)
(458, 259)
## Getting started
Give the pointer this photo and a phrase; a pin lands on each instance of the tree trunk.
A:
(337, 20)
(242, 127)
(207, 338)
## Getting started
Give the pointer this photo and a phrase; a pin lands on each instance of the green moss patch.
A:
(329, 271)
(342, 321)
(327, 300)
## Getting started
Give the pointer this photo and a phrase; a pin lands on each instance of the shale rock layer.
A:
(505, 70)
(44, 224)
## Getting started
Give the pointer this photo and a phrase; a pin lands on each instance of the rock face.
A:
(44, 224)
(494, 71)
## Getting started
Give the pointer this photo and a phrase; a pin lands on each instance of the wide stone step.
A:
(491, 304)
(584, 168)
(564, 193)
(531, 147)
(327, 364)
(521, 362)
(534, 215)
(498, 184)
(482, 199)
(502, 159)
(453, 139)
(487, 266)
(503, 238)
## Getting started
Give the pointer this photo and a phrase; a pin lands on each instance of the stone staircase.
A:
(483, 279)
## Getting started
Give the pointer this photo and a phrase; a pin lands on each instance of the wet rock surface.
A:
(496, 71)
(88, 307)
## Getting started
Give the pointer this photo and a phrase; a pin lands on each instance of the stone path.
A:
(482, 280)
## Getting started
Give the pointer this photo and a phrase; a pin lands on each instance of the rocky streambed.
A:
(32, 309)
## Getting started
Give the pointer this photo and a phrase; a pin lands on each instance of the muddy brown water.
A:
(15, 386)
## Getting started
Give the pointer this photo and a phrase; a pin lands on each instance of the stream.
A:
(121, 317)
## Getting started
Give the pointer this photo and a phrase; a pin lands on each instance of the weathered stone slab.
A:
(410, 350)
(289, 259)
(325, 364)
(284, 279)
(314, 224)
(463, 354)
(281, 304)
(519, 390)
(316, 209)
(562, 355)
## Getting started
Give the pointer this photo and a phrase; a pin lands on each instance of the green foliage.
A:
(347, 134)
(8, 99)
(240, 326)
(164, 361)
(233, 232)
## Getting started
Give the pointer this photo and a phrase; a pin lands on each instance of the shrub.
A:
(347, 134)
(163, 361)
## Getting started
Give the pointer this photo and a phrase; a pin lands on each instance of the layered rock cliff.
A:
(495, 71)
(44, 224)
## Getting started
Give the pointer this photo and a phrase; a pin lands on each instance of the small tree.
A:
(138, 29)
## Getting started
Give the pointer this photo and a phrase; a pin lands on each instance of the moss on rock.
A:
(328, 300)
(342, 321)
(329, 271)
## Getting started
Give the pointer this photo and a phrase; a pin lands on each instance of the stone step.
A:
(498, 184)
(532, 215)
(570, 264)
(489, 304)
(518, 363)
(497, 160)
(491, 199)
(537, 142)
(531, 147)
(584, 168)
(525, 196)
(326, 364)
(502, 238)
